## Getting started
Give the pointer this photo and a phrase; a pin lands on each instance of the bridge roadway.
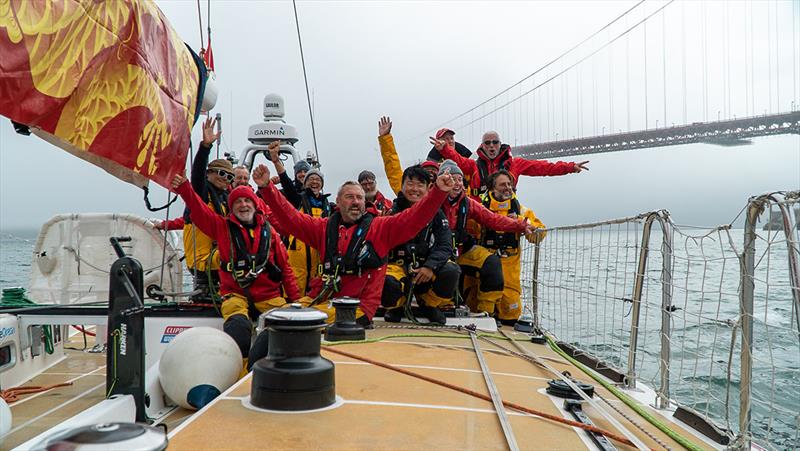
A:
(732, 132)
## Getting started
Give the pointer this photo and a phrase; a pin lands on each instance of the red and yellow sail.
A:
(109, 81)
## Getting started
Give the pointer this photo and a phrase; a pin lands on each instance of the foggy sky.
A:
(420, 63)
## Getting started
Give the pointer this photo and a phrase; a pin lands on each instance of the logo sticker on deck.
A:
(171, 331)
(6, 332)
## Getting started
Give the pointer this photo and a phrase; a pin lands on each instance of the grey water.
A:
(594, 315)
(585, 291)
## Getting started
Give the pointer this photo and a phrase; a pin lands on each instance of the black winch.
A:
(561, 389)
(108, 436)
(293, 376)
(345, 327)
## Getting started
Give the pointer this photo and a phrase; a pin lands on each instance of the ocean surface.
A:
(701, 331)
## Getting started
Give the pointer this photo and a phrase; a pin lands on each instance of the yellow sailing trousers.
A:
(236, 304)
(304, 262)
(510, 306)
(481, 294)
(426, 293)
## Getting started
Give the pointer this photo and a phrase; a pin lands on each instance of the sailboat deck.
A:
(36, 413)
(384, 409)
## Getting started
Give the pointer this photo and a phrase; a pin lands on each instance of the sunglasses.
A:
(487, 142)
(226, 175)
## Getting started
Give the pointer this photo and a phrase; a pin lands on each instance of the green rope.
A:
(683, 441)
(15, 297)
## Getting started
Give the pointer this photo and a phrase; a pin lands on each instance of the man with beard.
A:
(476, 261)
(309, 200)
(493, 156)
(377, 203)
(354, 245)
(423, 264)
(502, 200)
(255, 275)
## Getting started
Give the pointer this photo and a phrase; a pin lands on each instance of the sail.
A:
(110, 82)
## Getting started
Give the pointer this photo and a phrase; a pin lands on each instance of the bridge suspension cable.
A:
(537, 71)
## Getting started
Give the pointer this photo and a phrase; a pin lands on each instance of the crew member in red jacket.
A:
(493, 156)
(254, 266)
(477, 262)
(377, 203)
(353, 245)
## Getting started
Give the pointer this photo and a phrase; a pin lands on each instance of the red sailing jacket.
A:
(380, 206)
(216, 227)
(172, 224)
(385, 233)
(504, 160)
(480, 214)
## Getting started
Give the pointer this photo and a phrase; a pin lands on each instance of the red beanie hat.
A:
(242, 191)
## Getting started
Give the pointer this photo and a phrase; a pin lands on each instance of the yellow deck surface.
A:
(384, 409)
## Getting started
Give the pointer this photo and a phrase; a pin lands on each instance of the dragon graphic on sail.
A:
(108, 81)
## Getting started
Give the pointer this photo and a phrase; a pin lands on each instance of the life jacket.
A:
(503, 162)
(246, 266)
(493, 239)
(412, 253)
(360, 254)
(462, 239)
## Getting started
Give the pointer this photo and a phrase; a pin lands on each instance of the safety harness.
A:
(500, 241)
(462, 238)
(504, 162)
(411, 254)
(245, 266)
(360, 254)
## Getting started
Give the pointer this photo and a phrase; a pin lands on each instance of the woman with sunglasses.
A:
(493, 155)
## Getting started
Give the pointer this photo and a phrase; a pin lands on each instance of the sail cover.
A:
(108, 81)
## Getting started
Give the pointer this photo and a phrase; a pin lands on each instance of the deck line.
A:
(36, 395)
(63, 404)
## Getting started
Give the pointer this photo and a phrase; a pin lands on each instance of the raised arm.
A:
(200, 163)
(467, 165)
(521, 166)
(391, 161)
(206, 219)
(306, 228)
(289, 189)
